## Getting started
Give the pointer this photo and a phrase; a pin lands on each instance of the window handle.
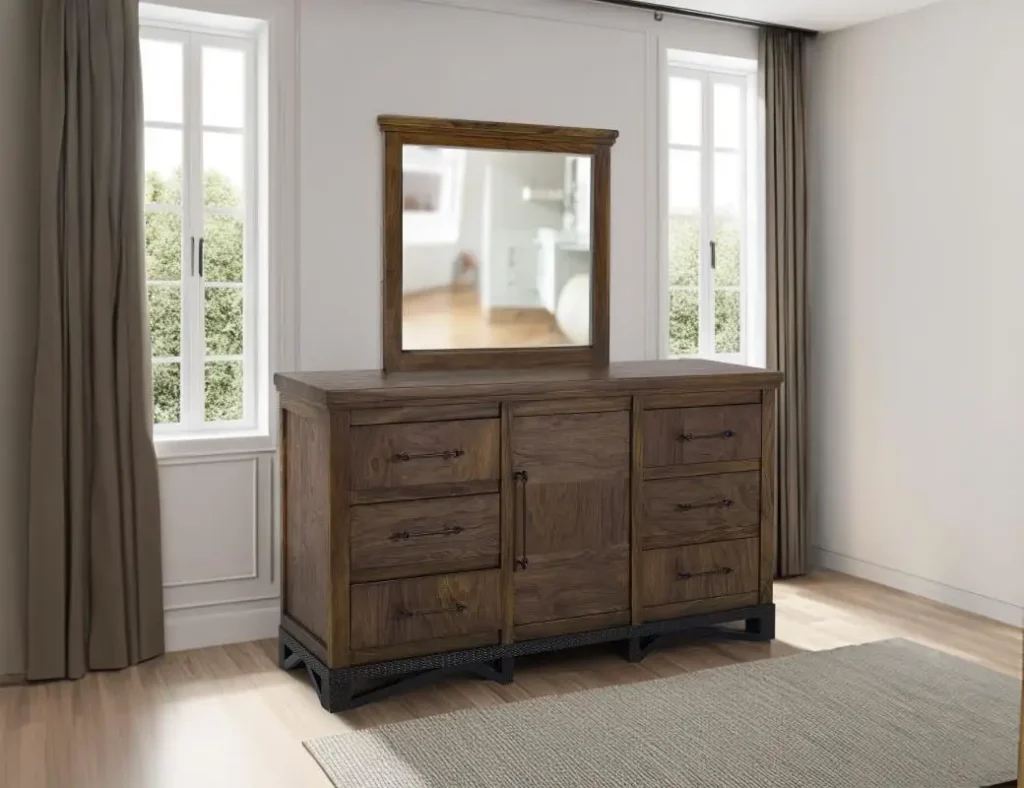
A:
(714, 255)
(192, 255)
(200, 257)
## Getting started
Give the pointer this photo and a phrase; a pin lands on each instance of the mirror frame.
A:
(399, 131)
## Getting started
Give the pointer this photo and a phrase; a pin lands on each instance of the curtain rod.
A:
(705, 15)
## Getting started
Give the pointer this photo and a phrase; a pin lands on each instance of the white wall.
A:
(917, 322)
(561, 62)
(19, 111)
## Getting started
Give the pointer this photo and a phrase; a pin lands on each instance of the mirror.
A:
(495, 244)
(496, 249)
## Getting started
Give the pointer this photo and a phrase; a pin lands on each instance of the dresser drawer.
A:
(681, 436)
(391, 540)
(700, 509)
(701, 571)
(407, 455)
(425, 608)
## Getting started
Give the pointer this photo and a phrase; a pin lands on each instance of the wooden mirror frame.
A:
(400, 131)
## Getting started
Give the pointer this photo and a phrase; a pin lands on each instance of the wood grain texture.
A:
(307, 499)
(304, 636)
(339, 483)
(425, 608)
(570, 626)
(566, 586)
(700, 509)
(701, 435)
(374, 388)
(228, 714)
(702, 571)
(769, 494)
(423, 492)
(391, 292)
(558, 406)
(572, 447)
(702, 400)
(700, 469)
(636, 507)
(456, 128)
(423, 647)
(696, 606)
(508, 539)
(600, 275)
(413, 413)
(410, 538)
(398, 455)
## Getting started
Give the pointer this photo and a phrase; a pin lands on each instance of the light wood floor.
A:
(228, 717)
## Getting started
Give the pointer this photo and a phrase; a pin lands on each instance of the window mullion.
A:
(194, 208)
(706, 309)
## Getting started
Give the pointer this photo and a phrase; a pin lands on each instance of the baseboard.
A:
(12, 679)
(919, 586)
(219, 625)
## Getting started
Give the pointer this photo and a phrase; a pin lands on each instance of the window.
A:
(200, 228)
(712, 284)
(432, 183)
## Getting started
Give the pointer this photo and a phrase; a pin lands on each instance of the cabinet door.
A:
(571, 515)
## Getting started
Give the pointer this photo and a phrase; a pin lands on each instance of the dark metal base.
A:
(341, 689)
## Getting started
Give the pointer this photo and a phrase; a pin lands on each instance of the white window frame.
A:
(440, 227)
(710, 70)
(193, 358)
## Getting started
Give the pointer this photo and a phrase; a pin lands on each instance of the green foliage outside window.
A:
(223, 306)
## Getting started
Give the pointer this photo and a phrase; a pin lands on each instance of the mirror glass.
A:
(496, 249)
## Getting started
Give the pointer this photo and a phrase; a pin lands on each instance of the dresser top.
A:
(373, 387)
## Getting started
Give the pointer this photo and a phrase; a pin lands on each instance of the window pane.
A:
(224, 325)
(684, 182)
(162, 80)
(223, 87)
(223, 156)
(683, 251)
(728, 116)
(163, 166)
(727, 321)
(163, 246)
(224, 391)
(223, 249)
(684, 111)
(165, 319)
(728, 184)
(727, 253)
(167, 393)
(683, 322)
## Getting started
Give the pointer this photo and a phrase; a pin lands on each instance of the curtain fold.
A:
(782, 74)
(95, 593)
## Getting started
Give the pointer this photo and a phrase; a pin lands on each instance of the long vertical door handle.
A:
(200, 257)
(521, 478)
(714, 255)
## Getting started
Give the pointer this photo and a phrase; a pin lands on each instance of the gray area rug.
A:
(884, 715)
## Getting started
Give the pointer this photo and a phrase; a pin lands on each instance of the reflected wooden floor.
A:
(453, 318)
(228, 717)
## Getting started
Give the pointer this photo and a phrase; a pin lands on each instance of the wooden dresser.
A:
(450, 521)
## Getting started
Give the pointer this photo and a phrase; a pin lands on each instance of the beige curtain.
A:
(782, 72)
(94, 580)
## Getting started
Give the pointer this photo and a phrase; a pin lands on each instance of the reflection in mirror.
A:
(496, 249)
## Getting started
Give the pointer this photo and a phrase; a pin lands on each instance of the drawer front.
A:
(681, 436)
(701, 571)
(391, 540)
(407, 455)
(700, 509)
(425, 608)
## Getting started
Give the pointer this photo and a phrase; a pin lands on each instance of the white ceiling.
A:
(812, 14)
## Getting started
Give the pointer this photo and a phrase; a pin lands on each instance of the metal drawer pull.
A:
(458, 608)
(725, 503)
(399, 535)
(449, 454)
(725, 570)
(688, 437)
(520, 478)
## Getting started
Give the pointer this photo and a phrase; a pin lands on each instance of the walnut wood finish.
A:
(701, 435)
(554, 474)
(407, 455)
(400, 131)
(700, 509)
(426, 608)
(393, 540)
(703, 571)
(573, 511)
(305, 531)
